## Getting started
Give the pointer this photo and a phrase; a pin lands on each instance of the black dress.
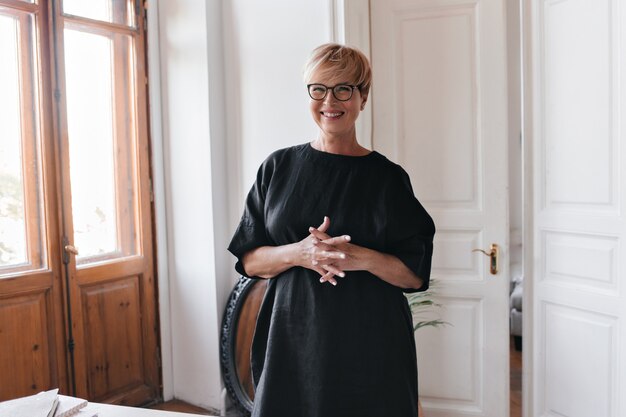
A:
(326, 351)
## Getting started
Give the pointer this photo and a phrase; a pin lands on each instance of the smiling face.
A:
(336, 119)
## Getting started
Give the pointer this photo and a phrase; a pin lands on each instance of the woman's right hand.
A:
(313, 253)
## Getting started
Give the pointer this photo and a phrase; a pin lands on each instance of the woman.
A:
(334, 335)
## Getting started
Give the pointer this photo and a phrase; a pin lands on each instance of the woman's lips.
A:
(332, 115)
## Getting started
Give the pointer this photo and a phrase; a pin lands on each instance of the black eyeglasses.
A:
(342, 92)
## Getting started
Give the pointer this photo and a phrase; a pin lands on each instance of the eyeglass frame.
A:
(352, 88)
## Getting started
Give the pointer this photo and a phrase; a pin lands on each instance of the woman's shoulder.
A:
(390, 169)
(281, 156)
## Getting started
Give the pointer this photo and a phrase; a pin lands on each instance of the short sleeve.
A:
(251, 231)
(410, 229)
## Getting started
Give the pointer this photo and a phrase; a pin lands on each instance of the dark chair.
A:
(238, 324)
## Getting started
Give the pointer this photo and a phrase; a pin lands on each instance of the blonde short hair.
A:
(332, 58)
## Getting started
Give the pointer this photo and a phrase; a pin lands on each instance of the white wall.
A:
(267, 44)
(189, 210)
(226, 89)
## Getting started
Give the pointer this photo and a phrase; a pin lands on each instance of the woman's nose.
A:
(330, 97)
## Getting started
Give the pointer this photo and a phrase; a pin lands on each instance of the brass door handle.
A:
(493, 257)
(71, 249)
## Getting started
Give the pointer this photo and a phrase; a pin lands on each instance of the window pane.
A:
(12, 217)
(22, 243)
(102, 173)
(112, 11)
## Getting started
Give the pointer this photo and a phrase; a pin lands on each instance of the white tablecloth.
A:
(108, 410)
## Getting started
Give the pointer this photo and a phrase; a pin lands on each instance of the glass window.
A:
(12, 216)
(101, 137)
(21, 246)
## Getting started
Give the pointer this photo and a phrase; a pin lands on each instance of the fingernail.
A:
(321, 279)
(311, 229)
(314, 262)
(325, 218)
(334, 282)
(347, 237)
(342, 275)
(343, 256)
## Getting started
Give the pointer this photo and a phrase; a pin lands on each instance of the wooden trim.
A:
(98, 26)
(150, 312)
(17, 284)
(20, 5)
(49, 199)
(118, 268)
(61, 153)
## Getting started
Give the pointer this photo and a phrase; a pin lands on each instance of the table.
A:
(109, 410)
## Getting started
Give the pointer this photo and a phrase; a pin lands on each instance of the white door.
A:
(440, 110)
(576, 90)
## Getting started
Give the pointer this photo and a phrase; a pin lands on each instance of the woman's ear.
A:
(363, 102)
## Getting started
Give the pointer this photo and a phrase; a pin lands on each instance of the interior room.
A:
(506, 114)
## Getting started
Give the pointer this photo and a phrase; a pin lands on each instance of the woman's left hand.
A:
(354, 255)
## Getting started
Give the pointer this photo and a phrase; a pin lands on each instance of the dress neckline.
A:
(317, 154)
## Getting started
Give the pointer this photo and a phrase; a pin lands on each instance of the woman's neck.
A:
(339, 145)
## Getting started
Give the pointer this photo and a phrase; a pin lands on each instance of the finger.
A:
(325, 224)
(324, 247)
(316, 233)
(337, 240)
(328, 277)
(334, 270)
(320, 271)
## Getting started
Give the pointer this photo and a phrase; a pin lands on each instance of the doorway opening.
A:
(516, 202)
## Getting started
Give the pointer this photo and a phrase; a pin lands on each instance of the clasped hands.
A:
(329, 256)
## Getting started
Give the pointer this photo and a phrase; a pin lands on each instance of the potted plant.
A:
(422, 308)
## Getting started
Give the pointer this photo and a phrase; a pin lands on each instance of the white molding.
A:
(351, 26)
(160, 198)
(337, 19)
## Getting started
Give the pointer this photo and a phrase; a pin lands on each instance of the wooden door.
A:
(101, 284)
(440, 110)
(32, 331)
(105, 205)
(575, 118)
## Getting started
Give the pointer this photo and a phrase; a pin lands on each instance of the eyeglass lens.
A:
(342, 92)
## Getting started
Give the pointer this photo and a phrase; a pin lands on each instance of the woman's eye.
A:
(343, 88)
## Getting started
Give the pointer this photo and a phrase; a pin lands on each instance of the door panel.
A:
(118, 361)
(440, 110)
(113, 327)
(576, 93)
(34, 371)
